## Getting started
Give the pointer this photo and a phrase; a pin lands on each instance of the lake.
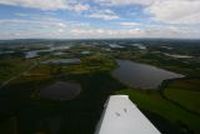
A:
(31, 54)
(61, 91)
(63, 61)
(35, 53)
(141, 75)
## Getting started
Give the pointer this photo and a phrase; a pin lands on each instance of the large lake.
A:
(142, 75)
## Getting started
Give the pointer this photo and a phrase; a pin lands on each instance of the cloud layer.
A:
(176, 11)
(100, 18)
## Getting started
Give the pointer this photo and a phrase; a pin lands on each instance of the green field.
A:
(10, 67)
(186, 93)
(173, 110)
(92, 64)
(83, 113)
(152, 101)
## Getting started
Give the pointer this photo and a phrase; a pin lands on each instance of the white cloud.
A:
(48, 4)
(61, 24)
(129, 24)
(43, 28)
(167, 11)
(124, 2)
(41, 4)
(180, 18)
(106, 33)
(149, 32)
(176, 11)
(38, 28)
(104, 14)
(80, 7)
(40, 23)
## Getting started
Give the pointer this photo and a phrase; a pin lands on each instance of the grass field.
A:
(28, 113)
(28, 110)
(153, 102)
(188, 99)
(9, 68)
(92, 64)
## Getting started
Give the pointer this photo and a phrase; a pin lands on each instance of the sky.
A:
(83, 19)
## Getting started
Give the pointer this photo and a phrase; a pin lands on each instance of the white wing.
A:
(121, 116)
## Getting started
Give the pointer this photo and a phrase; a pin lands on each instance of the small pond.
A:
(63, 61)
(61, 91)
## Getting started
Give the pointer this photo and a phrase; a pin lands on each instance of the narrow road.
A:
(17, 76)
(36, 63)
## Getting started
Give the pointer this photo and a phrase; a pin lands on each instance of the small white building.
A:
(121, 116)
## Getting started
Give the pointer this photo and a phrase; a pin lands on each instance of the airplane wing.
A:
(121, 116)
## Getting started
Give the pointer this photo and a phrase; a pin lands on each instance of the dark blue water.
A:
(141, 75)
